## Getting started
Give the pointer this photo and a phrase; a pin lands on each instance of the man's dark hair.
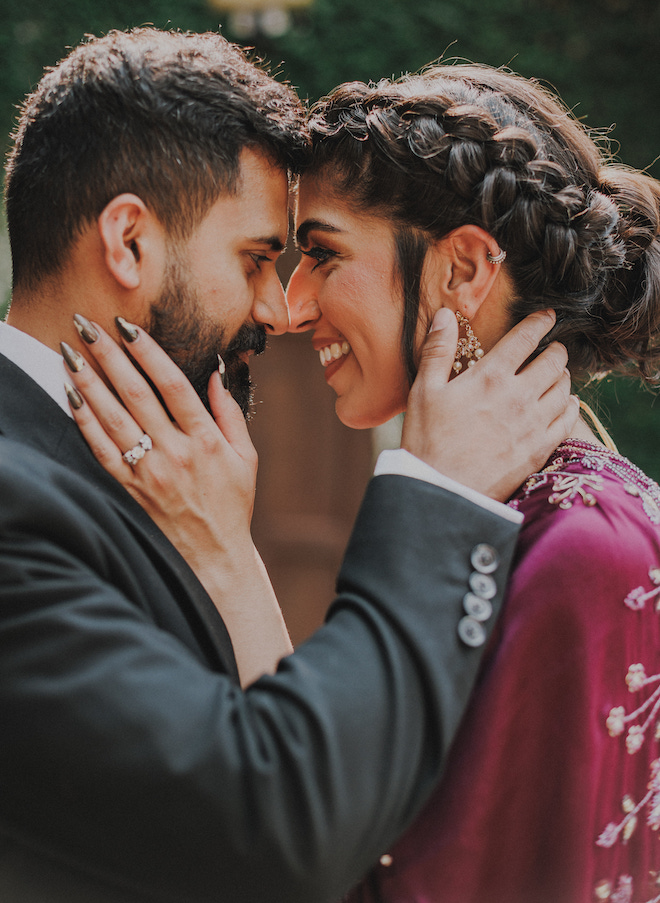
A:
(162, 114)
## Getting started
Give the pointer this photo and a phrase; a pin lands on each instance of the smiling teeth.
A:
(333, 352)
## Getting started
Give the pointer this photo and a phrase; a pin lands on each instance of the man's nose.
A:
(270, 309)
(301, 297)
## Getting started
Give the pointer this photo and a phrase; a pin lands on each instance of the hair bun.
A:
(637, 197)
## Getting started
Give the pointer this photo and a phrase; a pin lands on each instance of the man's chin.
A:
(240, 385)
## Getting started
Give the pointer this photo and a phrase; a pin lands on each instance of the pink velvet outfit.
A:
(552, 791)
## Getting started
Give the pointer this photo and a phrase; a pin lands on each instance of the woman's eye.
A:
(320, 255)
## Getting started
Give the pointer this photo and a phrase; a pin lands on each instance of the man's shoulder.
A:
(32, 481)
(22, 461)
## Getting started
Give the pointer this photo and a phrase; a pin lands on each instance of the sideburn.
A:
(411, 248)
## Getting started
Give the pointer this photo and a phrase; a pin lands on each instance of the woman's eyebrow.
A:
(313, 225)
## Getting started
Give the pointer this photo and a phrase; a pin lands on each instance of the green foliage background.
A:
(601, 55)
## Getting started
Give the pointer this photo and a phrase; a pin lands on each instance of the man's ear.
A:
(128, 231)
(462, 277)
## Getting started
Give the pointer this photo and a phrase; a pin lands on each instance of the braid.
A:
(470, 145)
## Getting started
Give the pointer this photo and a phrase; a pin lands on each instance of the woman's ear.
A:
(462, 274)
(128, 230)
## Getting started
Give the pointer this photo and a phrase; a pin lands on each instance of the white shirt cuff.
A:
(399, 461)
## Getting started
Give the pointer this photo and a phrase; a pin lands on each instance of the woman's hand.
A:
(194, 476)
(499, 421)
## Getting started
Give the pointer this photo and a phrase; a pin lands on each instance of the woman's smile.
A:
(346, 290)
(333, 353)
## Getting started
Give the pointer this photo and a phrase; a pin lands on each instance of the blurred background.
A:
(602, 56)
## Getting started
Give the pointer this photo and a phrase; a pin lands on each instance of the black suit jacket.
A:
(132, 766)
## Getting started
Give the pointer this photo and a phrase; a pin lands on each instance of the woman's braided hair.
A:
(467, 144)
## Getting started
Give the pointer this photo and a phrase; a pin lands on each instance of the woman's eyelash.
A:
(320, 255)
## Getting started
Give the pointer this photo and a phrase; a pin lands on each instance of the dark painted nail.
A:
(87, 332)
(128, 331)
(75, 398)
(74, 360)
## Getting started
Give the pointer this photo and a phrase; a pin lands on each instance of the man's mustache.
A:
(248, 338)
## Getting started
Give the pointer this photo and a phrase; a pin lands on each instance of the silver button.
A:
(484, 558)
(471, 632)
(386, 860)
(482, 585)
(479, 609)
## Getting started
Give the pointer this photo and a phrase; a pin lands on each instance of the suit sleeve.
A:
(126, 757)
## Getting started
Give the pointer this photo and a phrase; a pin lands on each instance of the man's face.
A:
(222, 293)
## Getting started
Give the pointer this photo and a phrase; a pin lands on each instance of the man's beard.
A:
(194, 341)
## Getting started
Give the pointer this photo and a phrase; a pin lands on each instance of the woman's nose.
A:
(301, 298)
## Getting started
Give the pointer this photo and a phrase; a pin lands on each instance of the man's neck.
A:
(47, 314)
(41, 315)
(40, 363)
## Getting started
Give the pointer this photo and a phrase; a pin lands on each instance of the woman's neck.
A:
(583, 431)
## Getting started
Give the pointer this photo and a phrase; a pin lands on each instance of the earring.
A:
(469, 347)
(497, 258)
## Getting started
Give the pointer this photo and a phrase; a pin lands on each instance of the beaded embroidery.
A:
(568, 487)
(645, 715)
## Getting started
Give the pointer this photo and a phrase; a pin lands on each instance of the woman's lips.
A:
(335, 351)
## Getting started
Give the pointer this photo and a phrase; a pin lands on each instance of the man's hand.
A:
(491, 426)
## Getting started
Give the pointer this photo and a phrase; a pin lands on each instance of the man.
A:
(148, 180)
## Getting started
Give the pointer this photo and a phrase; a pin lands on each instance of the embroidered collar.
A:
(567, 485)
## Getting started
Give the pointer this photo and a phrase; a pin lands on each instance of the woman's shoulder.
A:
(587, 486)
(592, 522)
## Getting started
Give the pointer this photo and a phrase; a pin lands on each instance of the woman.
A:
(472, 189)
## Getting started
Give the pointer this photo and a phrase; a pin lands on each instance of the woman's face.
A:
(345, 290)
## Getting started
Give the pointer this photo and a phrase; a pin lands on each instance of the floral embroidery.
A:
(625, 829)
(637, 598)
(581, 471)
(567, 487)
(623, 893)
(624, 890)
(622, 831)
(650, 502)
(617, 719)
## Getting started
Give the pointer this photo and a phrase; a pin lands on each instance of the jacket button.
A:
(479, 609)
(484, 558)
(471, 632)
(482, 585)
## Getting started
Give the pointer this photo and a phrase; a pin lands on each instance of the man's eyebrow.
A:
(273, 241)
(313, 225)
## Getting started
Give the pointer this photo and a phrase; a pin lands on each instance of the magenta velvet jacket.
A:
(552, 790)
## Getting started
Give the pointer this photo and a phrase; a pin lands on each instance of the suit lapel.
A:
(30, 416)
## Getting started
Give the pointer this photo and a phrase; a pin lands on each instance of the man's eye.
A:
(320, 255)
(259, 259)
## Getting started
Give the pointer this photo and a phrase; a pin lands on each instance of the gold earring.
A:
(468, 348)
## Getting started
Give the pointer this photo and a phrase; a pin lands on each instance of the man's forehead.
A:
(263, 197)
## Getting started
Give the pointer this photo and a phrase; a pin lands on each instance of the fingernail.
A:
(75, 398)
(222, 370)
(74, 360)
(442, 318)
(128, 331)
(85, 329)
